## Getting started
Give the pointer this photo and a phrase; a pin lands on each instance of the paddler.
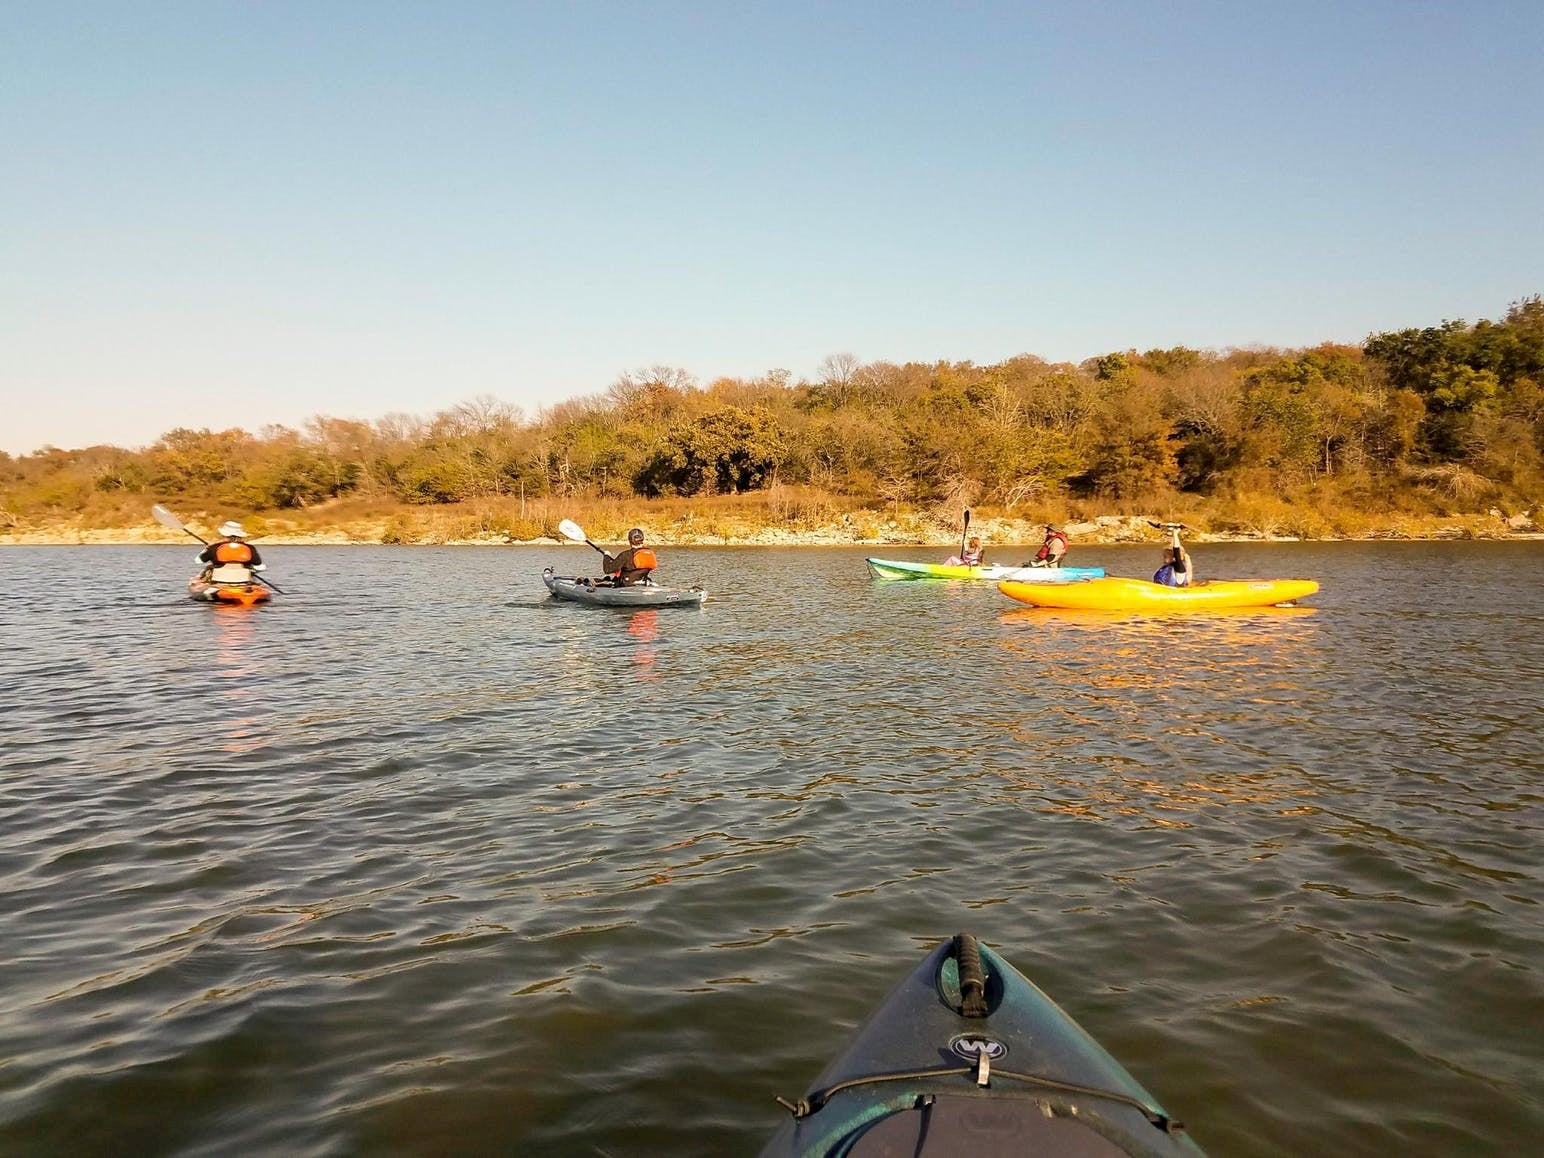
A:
(631, 565)
(230, 558)
(1052, 550)
(1176, 570)
(970, 557)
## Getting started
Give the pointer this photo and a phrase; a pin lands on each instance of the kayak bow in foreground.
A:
(968, 1057)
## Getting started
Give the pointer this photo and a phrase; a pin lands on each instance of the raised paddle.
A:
(964, 531)
(172, 522)
(572, 530)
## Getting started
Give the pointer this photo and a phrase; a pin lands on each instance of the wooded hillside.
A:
(1441, 420)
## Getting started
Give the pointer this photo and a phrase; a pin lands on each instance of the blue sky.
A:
(237, 214)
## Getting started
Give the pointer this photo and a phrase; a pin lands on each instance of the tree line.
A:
(1444, 419)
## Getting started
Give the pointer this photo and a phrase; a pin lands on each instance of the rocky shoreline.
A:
(995, 532)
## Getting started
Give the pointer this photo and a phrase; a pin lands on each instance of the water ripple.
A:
(460, 869)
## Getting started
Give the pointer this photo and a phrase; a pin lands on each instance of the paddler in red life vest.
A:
(230, 559)
(633, 564)
(1052, 550)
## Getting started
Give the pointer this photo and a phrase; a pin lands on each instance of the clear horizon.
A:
(241, 216)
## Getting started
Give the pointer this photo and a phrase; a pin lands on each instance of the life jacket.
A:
(232, 551)
(1045, 551)
(644, 560)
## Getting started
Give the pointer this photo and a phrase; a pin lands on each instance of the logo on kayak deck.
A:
(971, 1046)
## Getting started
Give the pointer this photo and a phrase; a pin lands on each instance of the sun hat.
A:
(232, 530)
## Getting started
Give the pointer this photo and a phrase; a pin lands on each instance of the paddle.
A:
(1168, 526)
(965, 531)
(172, 522)
(572, 530)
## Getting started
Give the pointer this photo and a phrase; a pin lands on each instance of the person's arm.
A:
(1181, 558)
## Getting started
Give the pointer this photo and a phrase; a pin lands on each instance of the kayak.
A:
(968, 1057)
(645, 594)
(1112, 594)
(234, 594)
(897, 569)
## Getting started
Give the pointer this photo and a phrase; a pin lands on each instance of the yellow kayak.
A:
(1111, 594)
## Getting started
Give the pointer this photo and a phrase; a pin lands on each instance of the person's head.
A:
(232, 530)
(975, 540)
(1049, 530)
(1170, 554)
(635, 537)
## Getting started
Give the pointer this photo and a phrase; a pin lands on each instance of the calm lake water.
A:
(417, 861)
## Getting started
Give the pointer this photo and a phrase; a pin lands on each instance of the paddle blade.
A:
(166, 518)
(572, 530)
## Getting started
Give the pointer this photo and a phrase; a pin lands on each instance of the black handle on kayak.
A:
(967, 956)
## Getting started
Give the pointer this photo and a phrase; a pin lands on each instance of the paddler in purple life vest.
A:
(1176, 570)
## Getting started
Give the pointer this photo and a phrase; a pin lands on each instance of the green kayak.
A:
(901, 569)
(968, 1057)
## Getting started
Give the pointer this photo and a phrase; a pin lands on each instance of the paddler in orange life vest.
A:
(1052, 550)
(631, 565)
(230, 559)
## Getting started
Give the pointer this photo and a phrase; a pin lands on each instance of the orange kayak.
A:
(233, 594)
(1111, 594)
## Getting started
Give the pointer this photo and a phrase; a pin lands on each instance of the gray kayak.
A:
(967, 1057)
(645, 594)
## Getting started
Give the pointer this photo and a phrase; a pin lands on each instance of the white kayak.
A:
(645, 594)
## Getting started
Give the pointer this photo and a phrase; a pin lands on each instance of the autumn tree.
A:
(723, 452)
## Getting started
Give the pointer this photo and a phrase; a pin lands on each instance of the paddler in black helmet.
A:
(633, 564)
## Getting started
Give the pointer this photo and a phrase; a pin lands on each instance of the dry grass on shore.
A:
(783, 516)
